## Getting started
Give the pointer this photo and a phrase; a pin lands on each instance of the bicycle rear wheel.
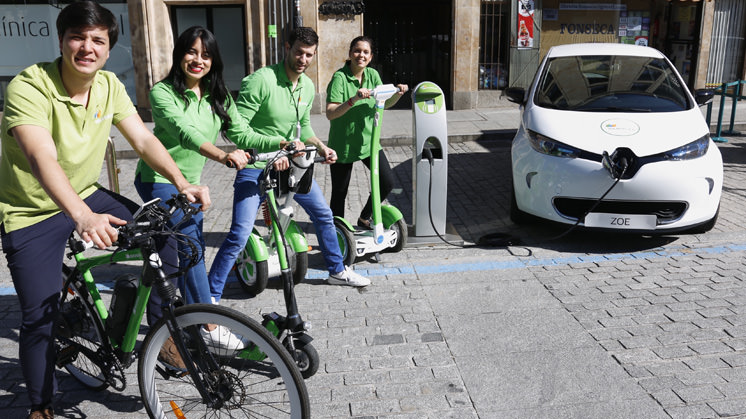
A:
(260, 380)
(79, 331)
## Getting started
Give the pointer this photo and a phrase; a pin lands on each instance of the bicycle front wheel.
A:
(258, 378)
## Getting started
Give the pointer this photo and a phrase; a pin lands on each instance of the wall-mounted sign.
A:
(592, 6)
(28, 35)
(525, 23)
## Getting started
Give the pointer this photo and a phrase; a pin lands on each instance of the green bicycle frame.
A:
(84, 266)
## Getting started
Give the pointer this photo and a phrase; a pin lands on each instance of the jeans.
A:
(35, 256)
(246, 200)
(193, 286)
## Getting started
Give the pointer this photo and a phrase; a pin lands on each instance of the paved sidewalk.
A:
(589, 326)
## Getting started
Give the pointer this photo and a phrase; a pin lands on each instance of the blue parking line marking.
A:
(518, 263)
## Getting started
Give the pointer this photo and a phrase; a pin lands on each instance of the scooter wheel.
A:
(252, 276)
(346, 243)
(300, 267)
(307, 360)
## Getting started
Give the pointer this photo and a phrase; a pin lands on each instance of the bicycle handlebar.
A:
(149, 220)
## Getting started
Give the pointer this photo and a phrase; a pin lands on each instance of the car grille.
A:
(666, 211)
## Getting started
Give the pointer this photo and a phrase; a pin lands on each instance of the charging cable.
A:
(494, 239)
(616, 164)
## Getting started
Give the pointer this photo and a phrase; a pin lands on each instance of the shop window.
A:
(494, 39)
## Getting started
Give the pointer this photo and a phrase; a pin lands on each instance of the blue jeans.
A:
(246, 200)
(194, 286)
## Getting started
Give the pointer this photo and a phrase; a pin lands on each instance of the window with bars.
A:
(494, 40)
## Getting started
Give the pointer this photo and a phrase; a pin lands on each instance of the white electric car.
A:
(611, 138)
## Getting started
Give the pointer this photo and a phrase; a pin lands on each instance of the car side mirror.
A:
(703, 96)
(516, 95)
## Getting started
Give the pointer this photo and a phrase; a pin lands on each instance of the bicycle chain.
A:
(114, 371)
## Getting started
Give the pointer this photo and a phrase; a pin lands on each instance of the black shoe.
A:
(364, 224)
(41, 413)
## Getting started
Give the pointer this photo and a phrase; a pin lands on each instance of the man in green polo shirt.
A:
(276, 100)
(54, 132)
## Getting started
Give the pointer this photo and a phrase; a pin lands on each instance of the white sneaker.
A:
(348, 277)
(222, 341)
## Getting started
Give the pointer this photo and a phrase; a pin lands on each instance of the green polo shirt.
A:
(36, 96)
(350, 134)
(184, 127)
(270, 106)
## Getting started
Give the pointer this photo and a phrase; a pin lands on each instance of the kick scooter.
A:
(259, 260)
(291, 329)
(388, 229)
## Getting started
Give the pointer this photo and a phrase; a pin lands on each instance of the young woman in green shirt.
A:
(191, 107)
(351, 124)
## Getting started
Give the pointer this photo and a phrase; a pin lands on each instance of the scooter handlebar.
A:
(255, 157)
(384, 92)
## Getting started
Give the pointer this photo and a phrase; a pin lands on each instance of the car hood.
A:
(643, 133)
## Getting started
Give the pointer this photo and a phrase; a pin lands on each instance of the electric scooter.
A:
(290, 329)
(259, 260)
(388, 229)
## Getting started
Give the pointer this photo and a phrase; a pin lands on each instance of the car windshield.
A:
(611, 83)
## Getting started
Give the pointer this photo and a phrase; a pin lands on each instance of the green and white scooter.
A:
(388, 229)
(259, 261)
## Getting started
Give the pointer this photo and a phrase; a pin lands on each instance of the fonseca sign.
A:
(28, 35)
(586, 28)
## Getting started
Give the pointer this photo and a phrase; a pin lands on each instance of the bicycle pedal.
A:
(66, 356)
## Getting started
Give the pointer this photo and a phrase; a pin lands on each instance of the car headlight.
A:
(693, 150)
(546, 145)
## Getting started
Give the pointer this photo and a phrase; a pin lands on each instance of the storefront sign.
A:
(593, 6)
(525, 23)
(585, 28)
(28, 35)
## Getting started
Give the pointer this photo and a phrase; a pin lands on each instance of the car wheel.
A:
(516, 215)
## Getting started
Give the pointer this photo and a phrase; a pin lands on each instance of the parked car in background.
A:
(611, 138)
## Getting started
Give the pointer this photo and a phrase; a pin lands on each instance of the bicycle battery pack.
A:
(122, 303)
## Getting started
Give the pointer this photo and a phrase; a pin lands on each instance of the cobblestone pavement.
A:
(592, 325)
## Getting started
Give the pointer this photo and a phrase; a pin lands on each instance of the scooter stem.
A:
(375, 189)
(381, 94)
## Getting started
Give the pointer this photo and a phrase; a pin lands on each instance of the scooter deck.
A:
(365, 241)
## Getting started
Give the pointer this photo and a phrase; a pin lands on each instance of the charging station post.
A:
(430, 161)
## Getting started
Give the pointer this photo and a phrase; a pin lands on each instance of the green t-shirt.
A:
(36, 96)
(270, 106)
(350, 134)
(184, 127)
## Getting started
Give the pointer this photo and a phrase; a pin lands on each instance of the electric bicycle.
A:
(96, 345)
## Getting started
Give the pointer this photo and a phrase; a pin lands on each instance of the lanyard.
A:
(297, 112)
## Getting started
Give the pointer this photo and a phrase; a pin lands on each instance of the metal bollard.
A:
(736, 97)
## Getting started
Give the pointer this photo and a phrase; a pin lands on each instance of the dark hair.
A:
(361, 38)
(305, 35)
(216, 86)
(84, 14)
